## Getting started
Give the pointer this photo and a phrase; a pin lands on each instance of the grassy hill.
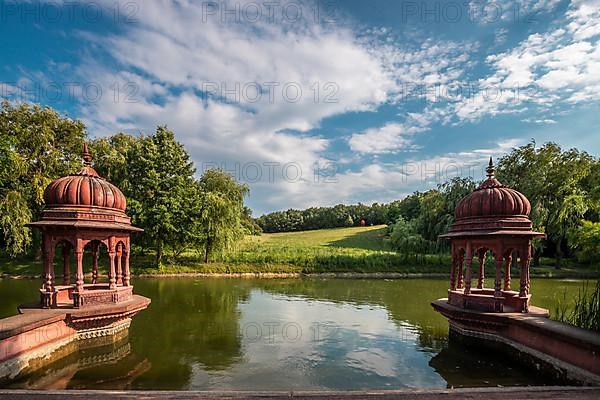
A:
(355, 249)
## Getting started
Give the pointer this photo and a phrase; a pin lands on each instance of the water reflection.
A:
(93, 364)
(456, 362)
(209, 334)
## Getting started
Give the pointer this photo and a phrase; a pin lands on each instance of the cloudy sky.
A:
(317, 103)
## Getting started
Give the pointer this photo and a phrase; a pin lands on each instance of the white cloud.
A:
(546, 121)
(391, 137)
(551, 69)
(500, 36)
(584, 15)
(385, 182)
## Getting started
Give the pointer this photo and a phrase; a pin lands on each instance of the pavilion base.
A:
(38, 337)
(92, 294)
(485, 300)
(561, 351)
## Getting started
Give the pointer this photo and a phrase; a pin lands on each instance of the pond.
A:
(283, 334)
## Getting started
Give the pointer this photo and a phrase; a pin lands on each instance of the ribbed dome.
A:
(492, 209)
(493, 199)
(85, 188)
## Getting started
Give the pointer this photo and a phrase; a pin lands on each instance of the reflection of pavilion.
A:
(117, 356)
(455, 364)
(84, 210)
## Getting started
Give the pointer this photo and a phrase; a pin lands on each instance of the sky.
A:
(317, 103)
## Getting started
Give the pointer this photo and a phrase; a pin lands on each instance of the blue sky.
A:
(317, 103)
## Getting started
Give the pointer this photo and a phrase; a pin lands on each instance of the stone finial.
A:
(490, 169)
(87, 157)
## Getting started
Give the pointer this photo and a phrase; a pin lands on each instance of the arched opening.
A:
(96, 250)
(64, 249)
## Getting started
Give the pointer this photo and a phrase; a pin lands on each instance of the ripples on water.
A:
(242, 334)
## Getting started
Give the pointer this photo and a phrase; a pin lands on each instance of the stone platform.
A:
(91, 295)
(38, 336)
(563, 351)
(486, 300)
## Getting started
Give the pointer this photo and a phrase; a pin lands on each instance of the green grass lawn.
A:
(356, 249)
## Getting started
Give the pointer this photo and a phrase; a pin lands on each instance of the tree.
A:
(37, 145)
(160, 185)
(113, 156)
(249, 225)
(218, 219)
(586, 241)
(405, 238)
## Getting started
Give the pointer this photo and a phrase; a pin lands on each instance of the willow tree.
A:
(37, 145)
(220, 211)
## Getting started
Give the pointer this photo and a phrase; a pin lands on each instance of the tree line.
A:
(312, 218)
(176, 210)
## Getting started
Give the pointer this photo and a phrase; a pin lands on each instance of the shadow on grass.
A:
(20, 267)
(368, 240)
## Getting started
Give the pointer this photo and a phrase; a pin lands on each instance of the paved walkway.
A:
(554, 393)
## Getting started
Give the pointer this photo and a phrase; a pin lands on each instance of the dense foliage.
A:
(339, 216)
(176, 211)
(37, 145)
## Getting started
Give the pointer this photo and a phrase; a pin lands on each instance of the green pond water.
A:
(283, 334)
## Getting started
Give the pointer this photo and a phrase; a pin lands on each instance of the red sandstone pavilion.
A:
(495, 219)
(83, 211)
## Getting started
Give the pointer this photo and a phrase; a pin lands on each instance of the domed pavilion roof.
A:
(84, 200)
(492, 209)
(84, 189)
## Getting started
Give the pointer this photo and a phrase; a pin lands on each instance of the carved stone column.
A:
(47, 294)
(453, 269)
(112, 282)
(66, 250)
(469, 268)
(498, 280)
(507, 264)
(119, 265)
(126, 278)
(525, 261)
(48, 253)
(79, 258)
(459, 266)
(95, 251)
(481, 272)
